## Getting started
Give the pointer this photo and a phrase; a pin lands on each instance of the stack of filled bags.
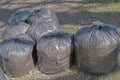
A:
(34, 39)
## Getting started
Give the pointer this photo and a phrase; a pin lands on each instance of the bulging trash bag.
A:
(39, 29)
(12, 30)
(96, 48)
(19, 16)
(16, 53)
(2, 76)
(53, 51)
(41, 15)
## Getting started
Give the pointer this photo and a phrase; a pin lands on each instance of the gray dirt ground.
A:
(72, 15)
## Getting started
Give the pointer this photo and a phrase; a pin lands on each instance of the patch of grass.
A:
(109, 76)
(118, 31)
(112, 7)
(72, 71)
(71, 28)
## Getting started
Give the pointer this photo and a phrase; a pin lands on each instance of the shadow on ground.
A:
(74, 18)
(86, 17)
(5, 14)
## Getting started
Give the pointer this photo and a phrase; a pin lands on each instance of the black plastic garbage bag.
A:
(39, 29)
(53, 51)
(2, 76)
(41, 15)
(19, 16)
(12, 30)
(96, 48)
(16, 53)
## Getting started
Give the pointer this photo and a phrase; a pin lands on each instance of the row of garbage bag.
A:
(34, 39)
